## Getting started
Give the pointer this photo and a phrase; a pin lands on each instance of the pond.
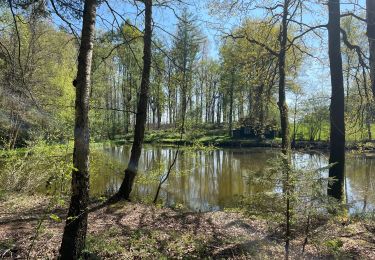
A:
(212, 180)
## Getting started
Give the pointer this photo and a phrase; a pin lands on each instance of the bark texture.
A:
(230, 115)
(139, 130)
(284, 120)
(73, 241)
(337, 108)
(370, 10)
(283, 107)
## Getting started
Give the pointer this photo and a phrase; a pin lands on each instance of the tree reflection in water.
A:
(211, 180)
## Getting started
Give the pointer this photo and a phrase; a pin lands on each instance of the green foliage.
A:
(36, 93)
(153, 175)
(35, 168)
(46, 168)
(116, 79)
(307, 194)
(334, 246)
(7, 246)
(55, 218)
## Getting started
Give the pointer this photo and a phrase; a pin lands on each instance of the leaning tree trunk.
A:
(131, 170)
(370, 9)
(337, 132)
(73, 241)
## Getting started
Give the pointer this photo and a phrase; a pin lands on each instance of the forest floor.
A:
(131, 230)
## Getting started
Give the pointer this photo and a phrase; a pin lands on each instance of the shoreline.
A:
(361, 146)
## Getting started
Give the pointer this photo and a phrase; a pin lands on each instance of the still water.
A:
(212, 180)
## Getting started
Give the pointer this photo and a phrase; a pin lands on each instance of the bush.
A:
(35, 168)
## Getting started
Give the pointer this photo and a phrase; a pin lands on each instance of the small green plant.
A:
(334, 246)
(292, 196)
(6, 248)
(184, 244)
(144, 244)
(108, 243)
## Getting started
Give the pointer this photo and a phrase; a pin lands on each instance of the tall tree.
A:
(370, 11)
(73, 241)
(283, 107)
(185, 50)
(139, 130)
(337, 108)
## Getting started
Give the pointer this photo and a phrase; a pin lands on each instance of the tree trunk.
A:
(230, 115)
(337, 132)
(213, 107)
(201, 105)
(283, 108)
(294, 123)
(131, 171)
(218, 112)
(370, 10)
(158, 108)
(74, 236)
(159, 114)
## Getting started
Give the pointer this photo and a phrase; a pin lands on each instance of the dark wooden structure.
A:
(249, 132)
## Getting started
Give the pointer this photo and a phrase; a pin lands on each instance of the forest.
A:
(187, 129)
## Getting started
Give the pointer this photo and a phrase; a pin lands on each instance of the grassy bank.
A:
(133, 230)
(219, 138)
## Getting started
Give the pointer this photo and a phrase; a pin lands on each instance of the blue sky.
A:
(314, 74)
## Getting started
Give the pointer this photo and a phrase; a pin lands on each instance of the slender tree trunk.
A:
(196, 109)
(14, 135)
(337, 132)
(175, 110)
(368, 122)
(201, 104)
(124, 101)
(368, 106)
(262, 116)
(153, 109)
(294, 122)
(131, 170)
(74, 236)
(159, 113)
(213, 105)
(370, 10)
(230, 116)
(183, 103)
(158, 108)
(218, 112)
(283, 108)
(225, 109)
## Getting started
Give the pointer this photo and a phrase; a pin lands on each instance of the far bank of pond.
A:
(224, 141)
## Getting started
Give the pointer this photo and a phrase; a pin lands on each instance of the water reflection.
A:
(205, 181)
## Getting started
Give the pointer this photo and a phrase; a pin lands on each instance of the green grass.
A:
(220, 137)
(106, 243)
(353, 134)
(144, 244)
